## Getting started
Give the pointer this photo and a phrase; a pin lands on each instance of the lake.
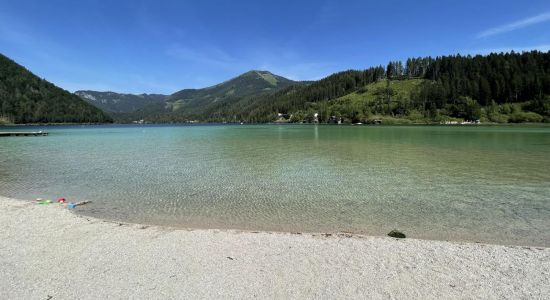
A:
(467, 183)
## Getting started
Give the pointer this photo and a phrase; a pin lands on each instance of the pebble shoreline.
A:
(48, 252)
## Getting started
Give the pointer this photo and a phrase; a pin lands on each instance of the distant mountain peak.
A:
(258, 72)
(270, 78)
(253, 82)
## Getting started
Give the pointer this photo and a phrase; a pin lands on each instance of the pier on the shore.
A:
(23, 133)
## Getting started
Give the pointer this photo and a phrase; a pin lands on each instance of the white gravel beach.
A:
(48, 252)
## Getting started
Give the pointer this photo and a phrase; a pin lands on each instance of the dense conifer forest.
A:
(26, 98)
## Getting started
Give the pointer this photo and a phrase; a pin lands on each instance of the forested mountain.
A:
(505, 87)
(112, 102)
(26, 98)
(202, 104)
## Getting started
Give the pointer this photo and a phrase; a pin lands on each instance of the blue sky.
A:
(164, 46)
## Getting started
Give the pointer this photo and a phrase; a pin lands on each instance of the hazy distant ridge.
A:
(119, 103)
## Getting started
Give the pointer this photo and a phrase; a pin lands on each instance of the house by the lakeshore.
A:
(282, 117)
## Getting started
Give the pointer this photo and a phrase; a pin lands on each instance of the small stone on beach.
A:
(397, 234)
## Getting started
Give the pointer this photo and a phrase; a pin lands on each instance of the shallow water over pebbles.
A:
(488, 184)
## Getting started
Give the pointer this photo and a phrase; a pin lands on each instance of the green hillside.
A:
(26, 98)
(374, 92)
(397, 102)
(372, 100)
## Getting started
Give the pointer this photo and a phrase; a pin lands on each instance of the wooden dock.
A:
(23, 133)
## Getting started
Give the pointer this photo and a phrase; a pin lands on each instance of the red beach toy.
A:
(61, 200)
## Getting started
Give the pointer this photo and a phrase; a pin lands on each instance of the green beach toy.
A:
(43, 202)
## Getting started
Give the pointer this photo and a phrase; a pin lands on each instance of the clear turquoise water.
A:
(487, 184)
